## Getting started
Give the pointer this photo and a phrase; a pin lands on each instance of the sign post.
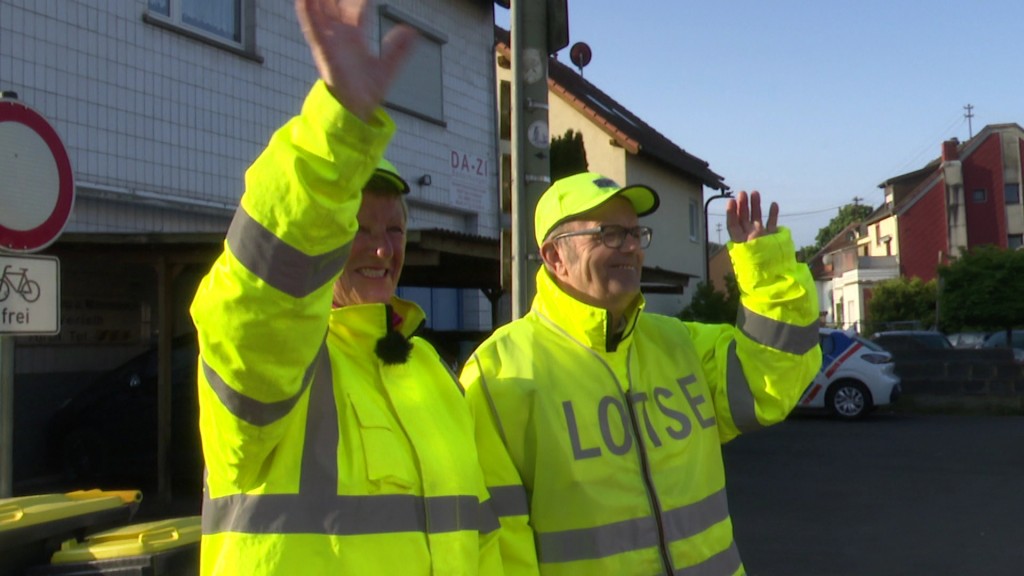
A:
(37, 192)
(539, 28)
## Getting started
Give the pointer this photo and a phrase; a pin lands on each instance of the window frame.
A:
(412, 72)
(1016, 196)
(695, 223)
(244, 45)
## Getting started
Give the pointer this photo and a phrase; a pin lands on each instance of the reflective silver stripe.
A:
(688, 521)
(630, 535)
(341, 515)
(248, 409)
(509, 500)
(741, 399)
(597, 542)
(725, 563)
(279, 264)
(319, 472)
(488, 518)
(775, 334)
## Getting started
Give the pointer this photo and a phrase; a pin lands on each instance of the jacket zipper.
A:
(648, 482)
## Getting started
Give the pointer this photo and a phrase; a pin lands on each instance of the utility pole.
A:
(539, 28)
(969, 114)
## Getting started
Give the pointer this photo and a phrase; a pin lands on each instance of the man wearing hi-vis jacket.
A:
(599, 425)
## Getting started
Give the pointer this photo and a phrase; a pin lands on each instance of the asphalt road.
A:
(895, 494)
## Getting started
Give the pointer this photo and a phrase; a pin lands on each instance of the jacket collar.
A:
(583, 322)
(367, 323)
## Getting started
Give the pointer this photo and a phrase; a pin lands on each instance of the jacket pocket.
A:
(386, 451)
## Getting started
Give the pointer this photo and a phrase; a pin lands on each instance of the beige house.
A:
(847, 268)
(625, 148)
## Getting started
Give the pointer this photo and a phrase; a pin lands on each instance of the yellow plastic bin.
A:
(32, 528)
(160, 548)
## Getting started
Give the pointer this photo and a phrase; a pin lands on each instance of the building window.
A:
(505, 104)
(694, 221)
(1011, 192)
(1014, 241)
(418, 89)
(225, 23)
(979, 196)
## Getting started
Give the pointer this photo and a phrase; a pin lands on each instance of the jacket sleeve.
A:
(758, 369)
(262, 310)
(509, 498)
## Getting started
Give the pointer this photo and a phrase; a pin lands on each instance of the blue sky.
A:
(813, 103)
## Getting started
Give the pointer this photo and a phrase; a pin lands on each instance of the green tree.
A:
(849, 214)
(805, 253)
(711, 306)
(982, 290)
(901, 300)
(568, 155)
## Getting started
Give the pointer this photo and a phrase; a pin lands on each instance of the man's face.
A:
(591, 272)
(377, 252)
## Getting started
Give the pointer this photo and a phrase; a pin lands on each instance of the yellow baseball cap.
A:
(386, 177)
(574, 195)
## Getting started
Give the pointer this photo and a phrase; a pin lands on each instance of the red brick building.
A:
(968, 197)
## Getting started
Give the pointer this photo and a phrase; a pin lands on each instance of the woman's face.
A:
(377, 253)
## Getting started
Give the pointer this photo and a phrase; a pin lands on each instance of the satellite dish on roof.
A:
(580, 55)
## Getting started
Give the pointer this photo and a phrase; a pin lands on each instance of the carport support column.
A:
(165, 327)
(6, 416)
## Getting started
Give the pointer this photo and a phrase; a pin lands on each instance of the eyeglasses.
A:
(613, 235)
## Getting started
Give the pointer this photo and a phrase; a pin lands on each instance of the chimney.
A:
(949, 151)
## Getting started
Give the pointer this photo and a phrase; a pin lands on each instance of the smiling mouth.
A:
(373, 272)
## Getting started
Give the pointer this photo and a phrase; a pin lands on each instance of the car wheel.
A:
(848, 400)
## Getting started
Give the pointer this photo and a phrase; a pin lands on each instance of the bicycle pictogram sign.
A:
(18, 283)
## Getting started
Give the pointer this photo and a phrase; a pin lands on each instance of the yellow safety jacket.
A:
(607, 448)
(322, 459)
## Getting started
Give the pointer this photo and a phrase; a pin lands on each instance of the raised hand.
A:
(335, 32)
(743, 219)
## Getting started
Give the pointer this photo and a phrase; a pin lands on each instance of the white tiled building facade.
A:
(162, 111)
(163, 104)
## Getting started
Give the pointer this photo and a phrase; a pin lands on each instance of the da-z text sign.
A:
(29, 295)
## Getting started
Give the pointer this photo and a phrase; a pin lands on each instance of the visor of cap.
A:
(574, 195)
(386, 176)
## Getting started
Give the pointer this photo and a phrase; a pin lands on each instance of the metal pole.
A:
(531, 169)
(707, 249)
(6, 416)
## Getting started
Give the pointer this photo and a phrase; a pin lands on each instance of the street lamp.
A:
(726, 193)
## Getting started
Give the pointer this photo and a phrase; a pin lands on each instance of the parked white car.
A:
(856, 376)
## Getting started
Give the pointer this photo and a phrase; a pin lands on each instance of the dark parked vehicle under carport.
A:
(106, 435)
(897, 341)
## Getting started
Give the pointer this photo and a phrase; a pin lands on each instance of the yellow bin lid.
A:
(23, 511)
(135, 540)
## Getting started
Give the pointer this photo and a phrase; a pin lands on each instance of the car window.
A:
(913, 341)
(896, 343)
(826, 344)
(935, 341)
(998, 339)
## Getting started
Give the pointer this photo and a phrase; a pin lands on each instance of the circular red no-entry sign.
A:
(37, 186)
